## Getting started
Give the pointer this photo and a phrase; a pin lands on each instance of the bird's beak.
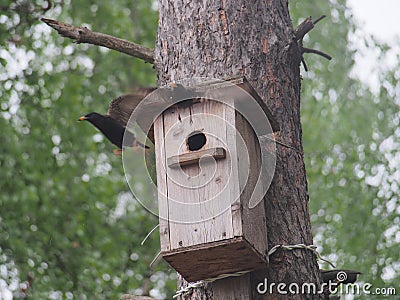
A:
(82, 119)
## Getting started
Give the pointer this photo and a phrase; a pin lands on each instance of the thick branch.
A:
(85, 35)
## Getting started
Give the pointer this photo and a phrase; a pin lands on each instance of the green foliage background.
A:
(68, 225)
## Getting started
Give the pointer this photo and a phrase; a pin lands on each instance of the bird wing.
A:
(121, 108)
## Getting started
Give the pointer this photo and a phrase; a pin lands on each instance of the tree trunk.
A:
(218, 39)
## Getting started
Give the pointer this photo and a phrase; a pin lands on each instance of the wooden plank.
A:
(213, 259)
(181, 201)
(194, 157)
(231, 134)
(216, 201)
(162, 184)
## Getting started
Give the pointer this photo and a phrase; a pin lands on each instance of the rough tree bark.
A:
(224, 38)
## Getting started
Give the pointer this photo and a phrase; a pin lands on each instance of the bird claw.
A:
(117, 152)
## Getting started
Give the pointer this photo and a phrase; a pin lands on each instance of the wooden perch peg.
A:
(305, 27)
(85, 35)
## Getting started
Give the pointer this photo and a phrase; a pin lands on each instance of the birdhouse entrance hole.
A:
(196, 141)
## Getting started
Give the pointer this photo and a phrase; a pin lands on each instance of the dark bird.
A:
(113, 124)
(339, 276)
(112, 130)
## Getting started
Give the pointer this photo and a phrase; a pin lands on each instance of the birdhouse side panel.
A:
(249, 162)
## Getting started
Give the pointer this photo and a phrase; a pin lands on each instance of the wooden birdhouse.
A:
(208, 162)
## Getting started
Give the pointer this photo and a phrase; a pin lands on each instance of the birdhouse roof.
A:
(237, 88)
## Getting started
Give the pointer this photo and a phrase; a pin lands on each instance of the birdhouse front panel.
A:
(198, 187)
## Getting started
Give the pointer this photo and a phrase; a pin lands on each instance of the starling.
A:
(113, 125)
(339, 276)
